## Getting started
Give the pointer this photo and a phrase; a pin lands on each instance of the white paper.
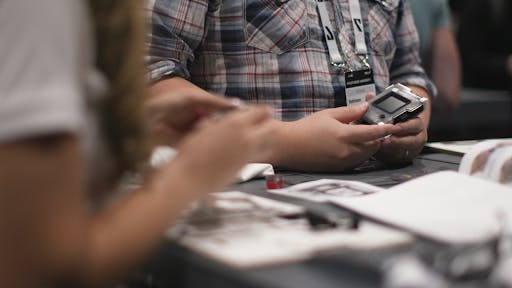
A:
(247, 231)
(270, 245)
(254, 170)
(445, 206)
(164, 154)
(324, 190)
(459, 147)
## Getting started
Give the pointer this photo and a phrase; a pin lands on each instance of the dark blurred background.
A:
(482, 32)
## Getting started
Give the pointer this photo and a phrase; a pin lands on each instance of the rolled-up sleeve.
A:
(177, 28)
(406, 66)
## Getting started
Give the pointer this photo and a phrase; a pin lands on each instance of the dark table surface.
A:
(174, 266)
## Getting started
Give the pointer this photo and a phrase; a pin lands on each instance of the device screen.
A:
(392, 103)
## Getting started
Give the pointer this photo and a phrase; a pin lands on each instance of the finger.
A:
(161, 102)
(204, 103)
(365, 133)
(210, 103)
(369, 147)
(237, 102)
(406, 142)
(400, 153)
(348, 114)
(370, 96)
(412, 127)
(223, 101)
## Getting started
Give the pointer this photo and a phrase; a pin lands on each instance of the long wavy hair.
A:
(120, 32)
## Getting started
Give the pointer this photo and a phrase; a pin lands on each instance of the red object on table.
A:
(274, 181)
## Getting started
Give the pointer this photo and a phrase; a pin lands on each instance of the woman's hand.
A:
(212, 154)
(171, 117)
(175, 106)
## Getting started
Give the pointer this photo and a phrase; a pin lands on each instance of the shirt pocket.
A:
(276, 26)
(382, 17)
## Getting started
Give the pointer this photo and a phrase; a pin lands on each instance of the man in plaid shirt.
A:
(274, 52)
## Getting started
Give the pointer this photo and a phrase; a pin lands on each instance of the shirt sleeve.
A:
(406, 66)
(177, 29)
(40, 87)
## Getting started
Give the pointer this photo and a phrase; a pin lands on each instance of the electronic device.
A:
(395, 104)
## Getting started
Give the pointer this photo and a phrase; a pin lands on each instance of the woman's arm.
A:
(208, 160)
(49, 233)
(48, 230)
(43, 213)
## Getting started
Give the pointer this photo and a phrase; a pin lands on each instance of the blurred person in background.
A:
(456, 7)
(485, 41)
(71, 124)
(439, 51)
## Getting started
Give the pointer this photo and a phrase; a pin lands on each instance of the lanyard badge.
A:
(358, 82)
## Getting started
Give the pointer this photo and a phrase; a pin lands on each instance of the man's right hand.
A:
(326, 142)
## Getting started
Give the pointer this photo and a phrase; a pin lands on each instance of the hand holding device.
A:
(395, 104)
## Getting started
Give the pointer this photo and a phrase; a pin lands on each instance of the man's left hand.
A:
(403, 146)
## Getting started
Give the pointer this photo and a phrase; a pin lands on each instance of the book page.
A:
(444, 206)
(459, 147)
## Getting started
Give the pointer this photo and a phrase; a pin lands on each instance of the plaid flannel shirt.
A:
(274, 51)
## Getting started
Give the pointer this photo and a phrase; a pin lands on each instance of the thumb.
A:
(348, 114)
(211, 103)
(370, 96)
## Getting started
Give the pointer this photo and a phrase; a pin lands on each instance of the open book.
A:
(460, 147)
(449, 207)
(490, 160)
(446, 206)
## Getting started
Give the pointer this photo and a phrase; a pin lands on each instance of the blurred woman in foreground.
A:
(71, 124)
